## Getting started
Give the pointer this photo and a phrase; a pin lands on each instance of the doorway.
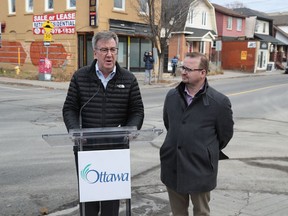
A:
(262, 59)
(85, 50)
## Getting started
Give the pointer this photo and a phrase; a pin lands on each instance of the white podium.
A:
(103, 162)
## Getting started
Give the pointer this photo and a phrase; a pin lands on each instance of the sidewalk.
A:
(169, 80)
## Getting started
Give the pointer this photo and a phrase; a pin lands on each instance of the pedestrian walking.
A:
(103, 95)
(199, 125)
(174, 62)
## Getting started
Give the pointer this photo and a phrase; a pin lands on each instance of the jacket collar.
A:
(92, 72)
(202, 93)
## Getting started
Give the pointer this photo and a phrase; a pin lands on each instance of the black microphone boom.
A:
(81, 109)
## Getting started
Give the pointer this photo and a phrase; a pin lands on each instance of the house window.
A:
(29, 6)
(257, 26)
(202, 47)
(119, 4)
(229, 23)
(71, 4)
(143, 4)
(12, 6)
(204, 18)
(239, 24)
(190, 16)
(264, 27)
(49, 5)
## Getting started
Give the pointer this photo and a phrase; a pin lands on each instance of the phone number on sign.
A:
(63, 31)
(66, 30)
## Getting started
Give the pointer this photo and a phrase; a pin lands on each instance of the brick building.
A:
(24, 30)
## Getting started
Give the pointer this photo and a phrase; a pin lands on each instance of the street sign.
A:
(46, 43)
(47, 37)
(218, 45)
(48, 27)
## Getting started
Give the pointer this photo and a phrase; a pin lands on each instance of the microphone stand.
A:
(80, 116)
(81, 141)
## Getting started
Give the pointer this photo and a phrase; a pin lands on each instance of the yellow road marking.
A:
(254, 90)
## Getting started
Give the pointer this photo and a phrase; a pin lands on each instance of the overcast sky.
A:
(266, 6)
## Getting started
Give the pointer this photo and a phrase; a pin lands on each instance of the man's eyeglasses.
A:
(189, 70)
(105, 51)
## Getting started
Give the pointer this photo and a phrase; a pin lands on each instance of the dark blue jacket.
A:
(174, 61)
(149, 60)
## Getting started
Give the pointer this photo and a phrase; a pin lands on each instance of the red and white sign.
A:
(45, 66)
(64, 23)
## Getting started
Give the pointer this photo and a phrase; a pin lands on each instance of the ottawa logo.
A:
(92, 176)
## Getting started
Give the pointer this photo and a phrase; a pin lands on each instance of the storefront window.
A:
(135, 48)
(122, 53)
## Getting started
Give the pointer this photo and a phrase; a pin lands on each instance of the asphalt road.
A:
(36, 176)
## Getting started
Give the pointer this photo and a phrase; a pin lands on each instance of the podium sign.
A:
(104, 175)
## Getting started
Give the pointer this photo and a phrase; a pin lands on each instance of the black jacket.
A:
(195, 135)
(120, 104)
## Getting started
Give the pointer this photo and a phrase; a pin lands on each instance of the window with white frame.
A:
(71, 4)
(143, 4)
(190, 17)
(29, 6)
(204, 18)
(12, 6)
(119, 4)
(202, 47)
(49, 5)
(239, 24)
(257, 26)
(229, 22)
(264, 27)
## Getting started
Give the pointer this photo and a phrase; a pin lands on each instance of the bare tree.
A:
(163, 17)
(235, 4)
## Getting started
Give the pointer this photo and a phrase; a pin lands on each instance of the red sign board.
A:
(64, 23)
(45, 66)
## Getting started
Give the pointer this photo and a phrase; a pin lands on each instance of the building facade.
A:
(259, 28)
(197, 34)
(61, 31)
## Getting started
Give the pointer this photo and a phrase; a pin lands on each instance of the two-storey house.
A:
(280, 22)
(197, 33)
(259, 27)
(27, 24)
(231, 33)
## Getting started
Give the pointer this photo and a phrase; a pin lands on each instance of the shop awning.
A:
(129, 28)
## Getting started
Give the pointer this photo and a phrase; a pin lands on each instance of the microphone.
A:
(80, 143)
(80, 119)
(81, 109)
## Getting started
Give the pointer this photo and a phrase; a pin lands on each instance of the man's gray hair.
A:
(104, 35)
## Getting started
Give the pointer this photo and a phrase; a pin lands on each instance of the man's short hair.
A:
(204, 62)
(104, 35)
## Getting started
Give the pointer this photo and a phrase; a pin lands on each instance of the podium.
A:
(103, 161)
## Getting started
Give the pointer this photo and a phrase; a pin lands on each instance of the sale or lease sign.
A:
(64, 23)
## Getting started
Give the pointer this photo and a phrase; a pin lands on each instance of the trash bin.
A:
(269, 67)
(45, 69)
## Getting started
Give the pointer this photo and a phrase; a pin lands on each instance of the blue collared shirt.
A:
(189, 98)
(101, 76)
